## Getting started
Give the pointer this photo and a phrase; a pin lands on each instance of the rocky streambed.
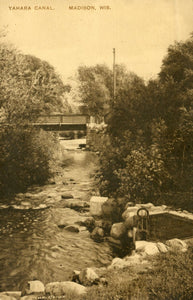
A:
(47, 250)
(43, 234)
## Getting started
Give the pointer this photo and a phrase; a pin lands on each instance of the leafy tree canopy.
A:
(29, 86)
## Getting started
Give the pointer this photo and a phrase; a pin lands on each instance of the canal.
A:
(32, 245)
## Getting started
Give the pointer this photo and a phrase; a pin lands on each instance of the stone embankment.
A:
(102, 226)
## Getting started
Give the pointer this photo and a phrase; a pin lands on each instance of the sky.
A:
(139, 30)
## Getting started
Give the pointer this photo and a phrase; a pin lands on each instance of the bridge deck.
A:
(60, 122)
(61, 126)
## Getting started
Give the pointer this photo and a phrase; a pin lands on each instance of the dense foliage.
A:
(25, 158)
(29, 87)
(96, 88)
(150, 157)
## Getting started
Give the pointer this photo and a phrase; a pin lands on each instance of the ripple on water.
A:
(32, 245)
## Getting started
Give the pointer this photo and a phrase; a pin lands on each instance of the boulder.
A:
(63, 288)
(13, 294)
(72, 228)
(117, 263)
(6, 297)
(88, 277)
(133, 259)
(67, 196)
(96, 205)
(97, 234)
(76, 204)
(117, 230)
(146, 248)
(129, 212)
(62, 224)
(83, 229)
(162, 247)
(177, 245)
(33, 287)
(128, 261)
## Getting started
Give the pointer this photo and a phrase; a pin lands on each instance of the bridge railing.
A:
(63, 119)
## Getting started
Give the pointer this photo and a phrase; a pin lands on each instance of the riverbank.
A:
(161, 276)
(164, 276)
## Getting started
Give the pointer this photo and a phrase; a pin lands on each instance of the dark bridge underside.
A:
(62, 127)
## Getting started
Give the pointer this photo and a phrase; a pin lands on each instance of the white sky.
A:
(140, 30)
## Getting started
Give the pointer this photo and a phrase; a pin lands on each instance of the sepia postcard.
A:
(71, 221)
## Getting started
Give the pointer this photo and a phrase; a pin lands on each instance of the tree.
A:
(29, 86)
(151, 129)
(95, 89)
(127, 108)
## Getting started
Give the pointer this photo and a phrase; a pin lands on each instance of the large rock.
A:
(130, 212)
(88, 277)
(72, 228)
(63, 288)
(162, 247)
(128, 261)
(34, 287)
(96, 205)
(67, 196)
(117, 230)
(13, 294)
(117, 263)
(97, 234)
(146, 248)
(177, 245)
(75, 204)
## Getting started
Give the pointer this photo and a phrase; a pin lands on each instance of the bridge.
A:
(63, 122)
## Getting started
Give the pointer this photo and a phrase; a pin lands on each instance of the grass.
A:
(170, 278)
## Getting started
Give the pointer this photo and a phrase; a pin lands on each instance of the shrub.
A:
(25, 158)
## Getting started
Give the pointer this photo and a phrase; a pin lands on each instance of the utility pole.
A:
(114, 75)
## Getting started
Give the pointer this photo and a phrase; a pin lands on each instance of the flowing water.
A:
(32, 245)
